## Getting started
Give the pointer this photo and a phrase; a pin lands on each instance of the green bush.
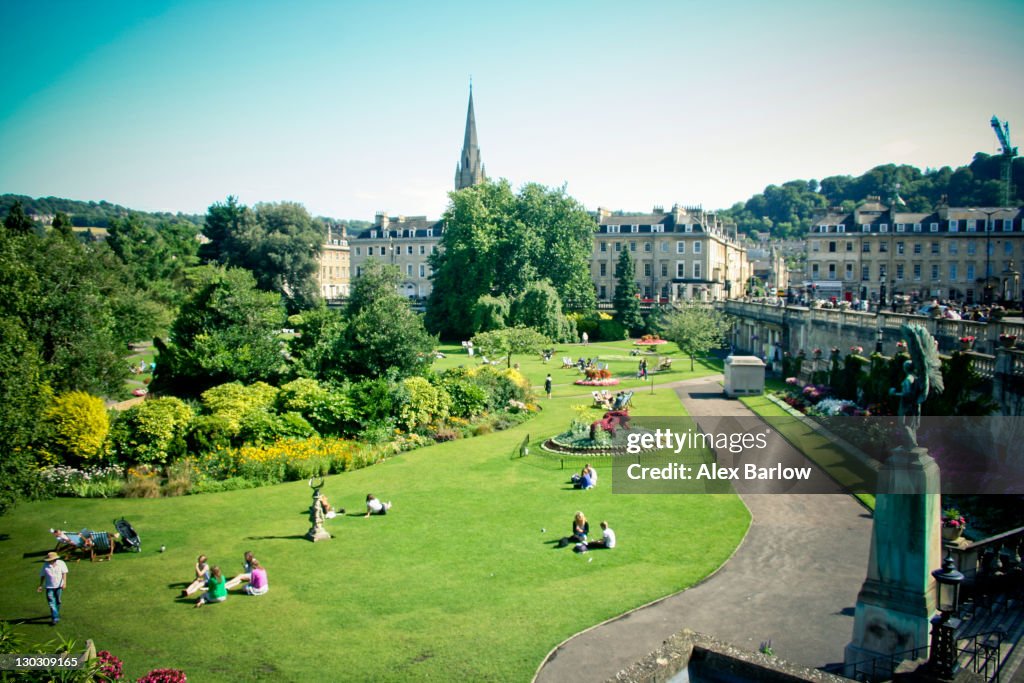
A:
(611, 330)
(501, 386)
(375, 402)
(259, 427)
(233, 401)
(78, 425)
(467, 399)
(153, 431)
(208, 433)
(423, 403)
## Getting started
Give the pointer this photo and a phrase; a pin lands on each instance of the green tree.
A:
(278, 242)
(16, 222)
(696, 328)
(491, 313)
(497, 243)
(539, 307)
(509, 341)
(62, 225)
(227, 330)
(627, 294)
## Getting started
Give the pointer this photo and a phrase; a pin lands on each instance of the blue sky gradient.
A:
(354, 107)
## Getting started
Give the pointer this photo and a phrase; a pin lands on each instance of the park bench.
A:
(568, 363)
(664, 364)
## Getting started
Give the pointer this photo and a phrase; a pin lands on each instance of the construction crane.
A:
(1008, 152)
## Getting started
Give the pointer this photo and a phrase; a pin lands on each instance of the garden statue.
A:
(316, 514)
(923, 376)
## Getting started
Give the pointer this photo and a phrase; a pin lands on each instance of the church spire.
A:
(469, 171)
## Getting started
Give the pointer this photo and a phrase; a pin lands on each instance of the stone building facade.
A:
(333, 274)
(405, 242)
(965, 254)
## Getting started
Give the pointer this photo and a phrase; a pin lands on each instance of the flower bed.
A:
(648, 340)
(609, 382)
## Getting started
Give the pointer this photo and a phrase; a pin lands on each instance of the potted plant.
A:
(953, 524)
(966, 343)
(1007, 341)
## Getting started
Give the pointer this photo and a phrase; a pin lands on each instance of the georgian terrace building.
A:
(685, 253)
(956, 253)
(333, 274)
(405, 242)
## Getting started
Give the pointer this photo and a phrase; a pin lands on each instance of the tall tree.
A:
(539, 307)
(278, 242)
(226, 330)
(16, 222)
(62, 225)
(497, 242)
(627, 295)
(510, 340)
(696, 328)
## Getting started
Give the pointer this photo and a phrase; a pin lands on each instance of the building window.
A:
(664, 269)
(634, 228)
(900, 227)
(680, 269)
(647, 270)
(865, 227)
(604, 270)
(899, 247)
(934, 227)
(917, 271)
(423, 249)
(430, 232)
(815, 246)
(814, 271)
(408, 249)
(972, 248)
(632, 246)
(832, 247)
(369, 251)
(1008, 248)
(1007, 225)
(865, 247)
(917, 247)
(408, 270)
(882, 271)
(604, 246)
(831, 271)
(883, 227)
(618, 247)
(935, 247)
(647, 247)
(359, 251)
(696, 247)
(613, 229)
(970, 272)
(647, 291)
(658, 228)
(687, 228)
(952, 272)
(954, 247)
(883, 247)
(865, 273)
(696, 269)
(680, 247)
(917, 227)
(899, 271)
(849, 245)
(603, 293)
(972, 226)
(840, 228)
(373, 234)
(849, 272)
(433, 248)
(423, 270)
(954, 226)
(935, 271)
(359, 271)
(664, 247)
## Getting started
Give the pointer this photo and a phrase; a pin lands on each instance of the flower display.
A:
(952, 518)
(857, 350)
(792, 381)
(967, 340)
(164, 676)
(110, 666)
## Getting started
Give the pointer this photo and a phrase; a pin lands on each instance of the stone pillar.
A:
(897, 599)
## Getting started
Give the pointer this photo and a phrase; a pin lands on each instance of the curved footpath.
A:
(793, 580)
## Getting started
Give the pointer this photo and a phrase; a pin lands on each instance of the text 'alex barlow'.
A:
(714, 471)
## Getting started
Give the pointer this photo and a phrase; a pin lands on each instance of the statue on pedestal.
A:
(923, 376)
(316, 514)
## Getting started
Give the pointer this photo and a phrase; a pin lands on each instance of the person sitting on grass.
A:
(607, 541)
(586, 479)
(329, 512)
(246, 574)
(258, 584)
(376, 507)
(216, 589)
(202, 577)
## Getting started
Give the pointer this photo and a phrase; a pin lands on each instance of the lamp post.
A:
(942, 652)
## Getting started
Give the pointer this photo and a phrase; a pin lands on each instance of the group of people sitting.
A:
(217, 587)
(580, 531)
(373, 506)
(586, 479)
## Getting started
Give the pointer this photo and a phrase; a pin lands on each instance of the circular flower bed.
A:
(649, 342)
(569, 444)
(609, 382)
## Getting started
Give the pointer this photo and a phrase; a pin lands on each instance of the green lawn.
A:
(840, 465)
(461, 581)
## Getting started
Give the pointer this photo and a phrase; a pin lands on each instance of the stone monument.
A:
(897, 599)
(316, 515)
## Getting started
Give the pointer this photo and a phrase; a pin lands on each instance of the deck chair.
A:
(102, 544)
(567, 363)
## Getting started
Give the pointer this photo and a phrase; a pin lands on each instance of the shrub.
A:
(482, 429)
(286, 460)
(611, 330)
(375, 402)
(153, 431)
(422, 403)
(327, 411)
(208, 433)
(501, 386)
(233, 401)
(179, 479)
(258, 427)
(467, 399)
(443, 434)
(78, 425)
(141, 483)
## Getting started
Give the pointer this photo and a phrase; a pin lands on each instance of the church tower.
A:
(470, 170)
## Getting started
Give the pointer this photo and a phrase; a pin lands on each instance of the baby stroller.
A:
(130, 540)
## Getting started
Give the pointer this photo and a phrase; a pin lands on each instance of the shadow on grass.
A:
(300, 537)
(41, 553)
(43, 620)
(5, 537)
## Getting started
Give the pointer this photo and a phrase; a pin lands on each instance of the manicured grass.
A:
(462, 580)
(841, 466)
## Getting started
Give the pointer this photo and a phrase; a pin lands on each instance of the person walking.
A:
(547, 385)
(586, 338)
(53, 578)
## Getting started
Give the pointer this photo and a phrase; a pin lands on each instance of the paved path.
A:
(794, 579)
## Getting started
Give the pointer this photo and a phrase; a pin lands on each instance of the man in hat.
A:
(54, 578)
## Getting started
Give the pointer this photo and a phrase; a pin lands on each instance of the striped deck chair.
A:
(102, 543)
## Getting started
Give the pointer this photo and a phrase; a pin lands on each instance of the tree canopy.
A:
(696, 328)
(278, 242)
(510, 340)
(627, 294)
(497, 242)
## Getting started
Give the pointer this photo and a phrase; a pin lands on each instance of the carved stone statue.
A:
(923, 376)
(316, 515)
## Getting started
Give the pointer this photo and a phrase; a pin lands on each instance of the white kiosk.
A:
(744, 376)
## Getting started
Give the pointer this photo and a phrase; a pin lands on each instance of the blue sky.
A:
(354, 107)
